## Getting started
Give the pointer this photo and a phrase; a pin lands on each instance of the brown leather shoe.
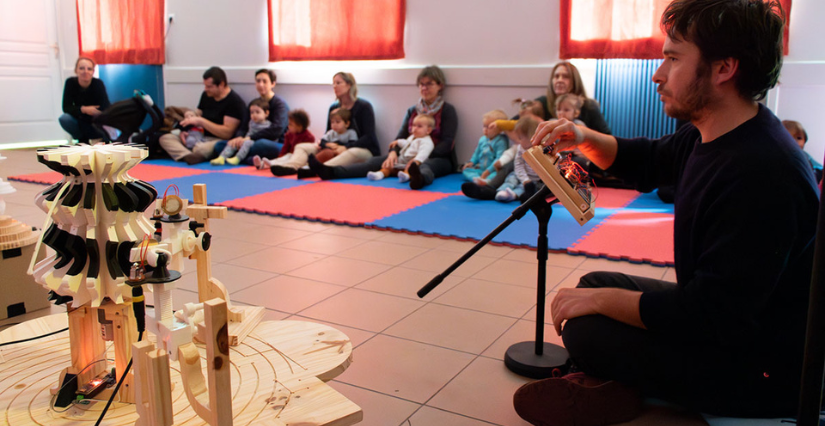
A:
(576, 400)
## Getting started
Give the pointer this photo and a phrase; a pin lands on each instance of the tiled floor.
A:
(432, 361)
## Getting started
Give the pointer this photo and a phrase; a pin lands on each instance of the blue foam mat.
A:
(201, 166)
(222, 187)
(449, 184)
(462, 217)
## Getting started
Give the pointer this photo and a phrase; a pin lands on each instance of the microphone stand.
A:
(535, 359)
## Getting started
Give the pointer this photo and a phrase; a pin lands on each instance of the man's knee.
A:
(596, 279)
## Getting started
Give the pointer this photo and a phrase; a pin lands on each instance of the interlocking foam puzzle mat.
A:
(627, 225)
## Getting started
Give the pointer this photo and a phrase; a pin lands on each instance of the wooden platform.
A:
(277, 378)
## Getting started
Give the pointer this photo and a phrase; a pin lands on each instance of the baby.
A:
(258, 113)
(192, 135)
(490, 147)
(416, 148)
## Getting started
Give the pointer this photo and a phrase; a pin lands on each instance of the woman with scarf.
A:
(363, 122)
(442, 159)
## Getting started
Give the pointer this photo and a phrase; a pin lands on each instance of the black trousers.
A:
(723, 381)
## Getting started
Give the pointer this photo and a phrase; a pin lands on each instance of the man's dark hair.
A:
(260, 103)
(217, 75)
(272, 77)
(299, 117)
(747, 30)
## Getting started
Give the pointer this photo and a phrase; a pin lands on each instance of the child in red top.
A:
(297, 132)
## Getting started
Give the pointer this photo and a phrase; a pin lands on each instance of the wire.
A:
(117, 388)
(34, 338)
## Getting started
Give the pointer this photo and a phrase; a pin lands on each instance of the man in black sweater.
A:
(728, 337)
(220, 112)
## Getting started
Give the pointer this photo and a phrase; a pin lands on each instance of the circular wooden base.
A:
(278, 378)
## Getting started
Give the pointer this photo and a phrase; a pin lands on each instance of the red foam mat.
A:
(631, 235)
(612, 198)
(335, 202)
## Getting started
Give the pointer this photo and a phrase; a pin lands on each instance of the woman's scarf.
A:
(429, 109)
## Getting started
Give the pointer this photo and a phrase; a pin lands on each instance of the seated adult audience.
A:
(728, 337)
(220, 112)
(84, 98)
(269, 141)
(362, 120)
(564, 79)
(442, 159)
(801, 137)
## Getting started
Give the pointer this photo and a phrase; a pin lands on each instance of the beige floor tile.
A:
(555, 259)
(670, 274)
(522, 331)
(381, 252)
(338, 270)
(362, 309)
(322, 243)
(494, 298)
(404, 369)
(484, 390)
(520, 273)
(462, 246)
(405, 282)
(287, 294)
(224, 249)
(436, 417)
(353, 232)
(453, 328)
(234, 278)
(276, 259)
(356, 336)
(378, 409)
(269, 235)
(644, 270)
(570, 281)
(301, 225)
(411, 240)
(439, 260)
(270, 315)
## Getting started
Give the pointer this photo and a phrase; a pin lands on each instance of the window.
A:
(617, 28)
(301, 30)
(121, 31)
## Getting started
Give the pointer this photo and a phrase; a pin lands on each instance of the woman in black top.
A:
(84, 97)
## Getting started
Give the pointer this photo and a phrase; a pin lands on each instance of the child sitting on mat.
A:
(801, 137)
(258, 113)
(522, 182)
(297, 132)
(416, 148)
(490, 147)
(339, 137)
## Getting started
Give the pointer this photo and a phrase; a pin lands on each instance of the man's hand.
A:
(92, 110)
(192, 121)
(236, 142)
(389, 163)
(616, 303)
(183, 136)
(560, 134)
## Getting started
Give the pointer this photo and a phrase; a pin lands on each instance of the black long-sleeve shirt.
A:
(75, 97)
(745, 219)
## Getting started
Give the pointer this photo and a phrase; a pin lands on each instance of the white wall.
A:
(491, 51)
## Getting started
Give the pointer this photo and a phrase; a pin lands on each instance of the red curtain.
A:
(301, 30)
(604, 29)
(121, 31)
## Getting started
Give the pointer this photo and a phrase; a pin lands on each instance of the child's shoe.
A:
(218, 161)
(506, 195)
(256, 161)
(375, 175)
(403, 177)
(233, 161)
